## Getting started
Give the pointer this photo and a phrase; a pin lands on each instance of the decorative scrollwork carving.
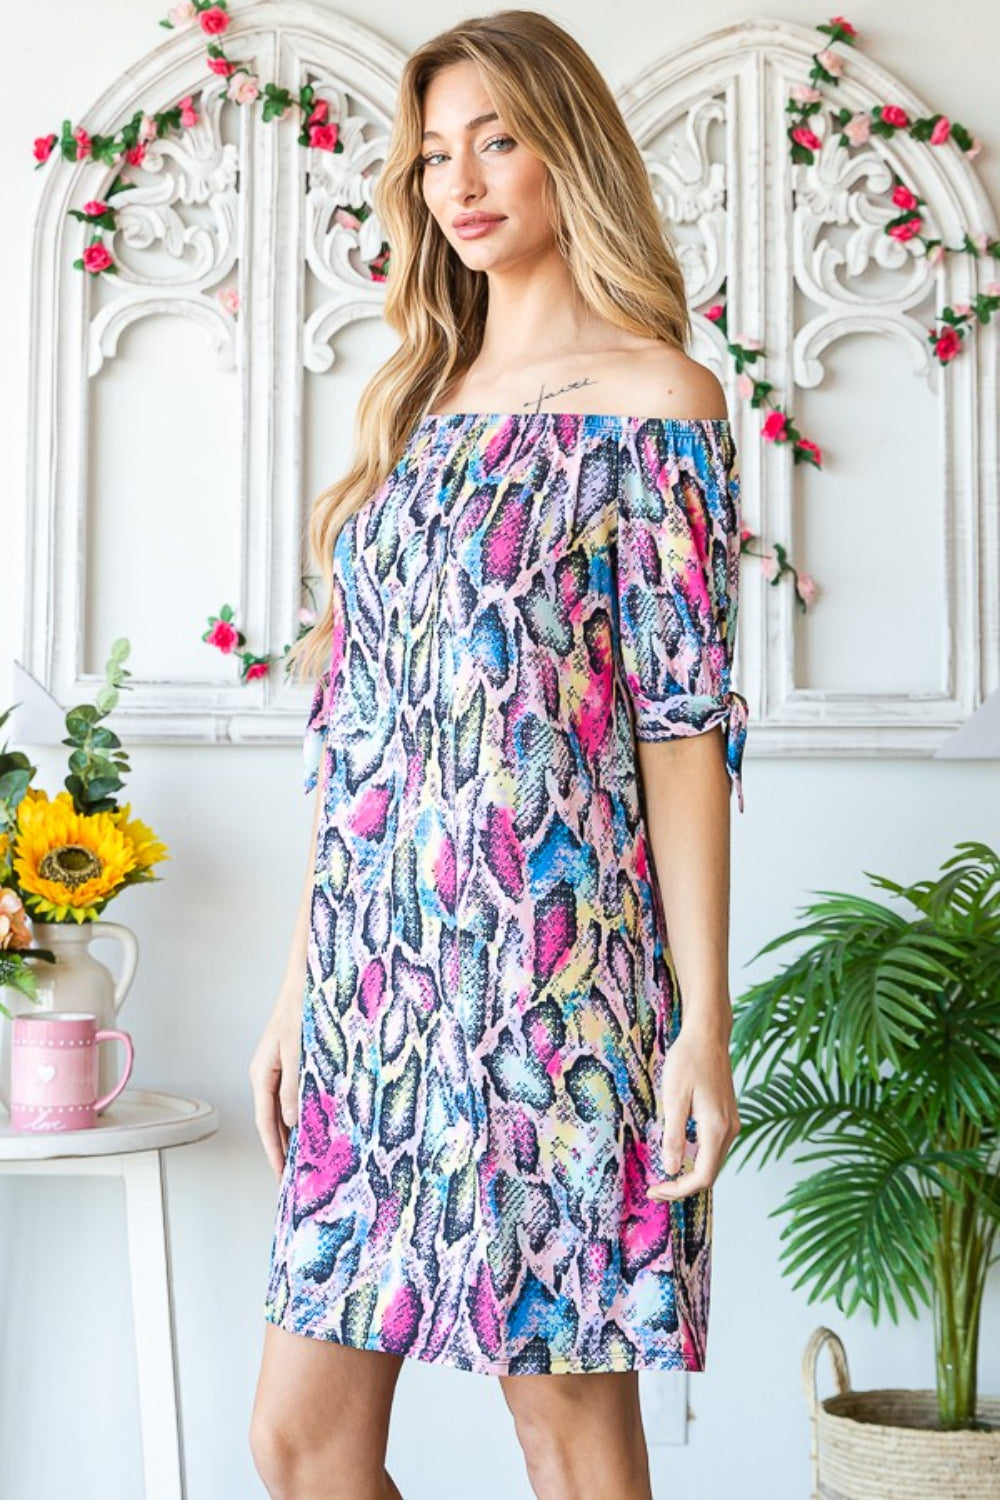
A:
(335, 251)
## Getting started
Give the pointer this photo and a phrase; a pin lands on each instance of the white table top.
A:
(138, 1120)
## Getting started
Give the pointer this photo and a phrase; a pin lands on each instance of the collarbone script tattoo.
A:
(545, 395)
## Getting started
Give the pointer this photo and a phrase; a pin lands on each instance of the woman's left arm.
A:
(687, 792)
(677, 577)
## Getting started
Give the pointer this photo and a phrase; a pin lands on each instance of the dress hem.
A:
(493, 1367)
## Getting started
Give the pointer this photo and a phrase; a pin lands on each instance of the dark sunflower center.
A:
(70, 864)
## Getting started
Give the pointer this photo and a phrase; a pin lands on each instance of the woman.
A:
(475, 1087)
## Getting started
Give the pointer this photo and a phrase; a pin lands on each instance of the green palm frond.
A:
(951, 1078)
(791, 1107)
(857, 998)
(861, 1231)
(966, 899)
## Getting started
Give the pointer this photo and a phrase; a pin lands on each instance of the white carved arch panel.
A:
(133, 375)
(908, 494)
(166, 470)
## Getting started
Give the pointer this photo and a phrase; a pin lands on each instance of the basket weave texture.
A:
(883, 1444)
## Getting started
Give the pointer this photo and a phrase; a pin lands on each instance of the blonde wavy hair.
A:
(597, 191)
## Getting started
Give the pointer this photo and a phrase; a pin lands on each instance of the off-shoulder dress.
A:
(490, 993)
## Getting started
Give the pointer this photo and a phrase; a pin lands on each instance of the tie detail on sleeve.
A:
(678, 579)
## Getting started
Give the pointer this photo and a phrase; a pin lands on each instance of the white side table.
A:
(129, 1142)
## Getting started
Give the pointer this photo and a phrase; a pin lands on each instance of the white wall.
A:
(214, 936)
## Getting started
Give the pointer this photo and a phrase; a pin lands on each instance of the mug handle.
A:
(116, 1036)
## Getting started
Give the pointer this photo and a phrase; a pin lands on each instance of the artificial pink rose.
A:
(220, 65)
(941, 131)
(746, 534)
(189, 115)
(243, 88)
(769, 565)
(750, 343)
(975, 148)
(805, 137)
(810, 447)
(344, 217)
(902, 197)
(177, 15)
(43, 146)
(256, 669)
(82, 142)
(774, 427)
(224, 635)
(96, 258)
(323, 137)
(962, 309)
(831, 61)
(135, 155)
(858, 129)
(213, 21)
(744, 386)
(949, 342)
(844, 25)
(320, 110)
(981, 240)
(95, 206)
(148, 128)
(992, 289)
(893, 114)
(806, 588)
(935, 254)
(229, 300)
(714, 313)
(906, 230)
(804, 93)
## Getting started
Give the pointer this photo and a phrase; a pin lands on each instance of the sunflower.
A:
(147, 848)
(70, 864)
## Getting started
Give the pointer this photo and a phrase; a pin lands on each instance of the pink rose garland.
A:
(907, 227)
(777, 427)
(224, 634)
(129, 146)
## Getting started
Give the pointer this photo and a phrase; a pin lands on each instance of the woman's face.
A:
(474, 166)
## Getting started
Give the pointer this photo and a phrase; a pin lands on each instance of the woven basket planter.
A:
(882, 1445)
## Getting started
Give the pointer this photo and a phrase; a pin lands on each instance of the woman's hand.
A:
(274, 1076)
(697, 1082)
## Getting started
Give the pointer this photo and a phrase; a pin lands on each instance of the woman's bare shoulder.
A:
(668, 383)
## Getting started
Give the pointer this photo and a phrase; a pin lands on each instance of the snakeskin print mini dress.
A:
(490, 994)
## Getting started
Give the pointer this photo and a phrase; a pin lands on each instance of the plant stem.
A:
(960, 1266)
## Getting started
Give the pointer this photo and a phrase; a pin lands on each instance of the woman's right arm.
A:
(274, 1069)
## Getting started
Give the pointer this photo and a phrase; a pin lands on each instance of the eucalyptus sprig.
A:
(16, 772)
(98, 759)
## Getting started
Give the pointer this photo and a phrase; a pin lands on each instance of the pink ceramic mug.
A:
(53, 1077)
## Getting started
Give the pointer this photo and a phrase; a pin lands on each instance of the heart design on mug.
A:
(46, 1072)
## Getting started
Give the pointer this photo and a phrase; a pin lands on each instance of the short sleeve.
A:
(314, 739)
(678, 571)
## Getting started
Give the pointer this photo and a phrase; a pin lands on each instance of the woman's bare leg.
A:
(320, 1424)
(582, 1435)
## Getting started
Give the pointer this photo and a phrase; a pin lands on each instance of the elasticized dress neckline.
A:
(589, 419)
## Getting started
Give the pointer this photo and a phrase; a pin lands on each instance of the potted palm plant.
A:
(878, 1046)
